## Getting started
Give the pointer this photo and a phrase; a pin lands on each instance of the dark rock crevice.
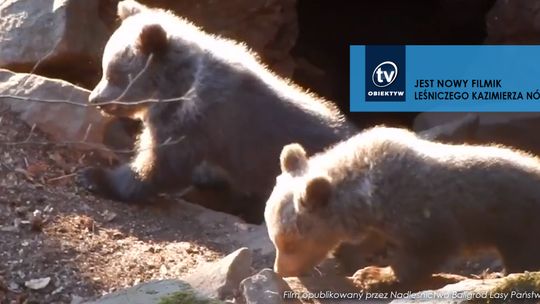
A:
(327, 28)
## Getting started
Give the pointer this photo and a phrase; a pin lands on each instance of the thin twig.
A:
(112, 102)
(87, 133)
(87, 105)
(55, 179)
(132, 81)
(31, 133)
(185, 191)
(95, 146)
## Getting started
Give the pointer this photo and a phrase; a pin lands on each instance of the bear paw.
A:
(207, 177)
(377, 279)
(91, 179)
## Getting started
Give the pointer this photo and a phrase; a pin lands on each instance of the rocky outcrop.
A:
(514, 22)
(221, 280)
(266, 287)
(66, 38)
(44, 102)
(157, 292)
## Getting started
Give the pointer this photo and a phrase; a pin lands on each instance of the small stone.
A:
(221, 279)
(163, 270)
(36, 220)
(266, 287)
(76, 299)
(37, 284)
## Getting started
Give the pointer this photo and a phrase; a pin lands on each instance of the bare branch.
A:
(31, 133)
(83, 142)
(87, 105)
(35, 67)
(85, 138)
(132, 81)
(54, 179)
(94, 146)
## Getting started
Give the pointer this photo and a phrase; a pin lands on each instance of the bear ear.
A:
(317, 194)
(152, 39)
(293, 158)
(129, 8)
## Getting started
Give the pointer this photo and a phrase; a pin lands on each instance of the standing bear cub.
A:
(212, 114)
(431, 200)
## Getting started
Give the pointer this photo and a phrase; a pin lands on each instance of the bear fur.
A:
(204, 101)
(430, 200)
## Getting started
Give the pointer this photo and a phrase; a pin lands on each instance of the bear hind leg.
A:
(520, 256)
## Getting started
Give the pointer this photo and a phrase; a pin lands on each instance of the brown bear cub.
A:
(204, 101)
(430, 199)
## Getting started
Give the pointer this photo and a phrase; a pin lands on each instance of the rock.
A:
(266, 287)
(75, 299)
(37, 284)
(510, 129)
(66, 37)
(514, 22)
(221, 279)
(256, 238)
(154, 292)
(269, 27)
(318, 284)
(61, 122)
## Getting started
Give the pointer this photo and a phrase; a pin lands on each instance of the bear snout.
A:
(95, 95)
(104, 92)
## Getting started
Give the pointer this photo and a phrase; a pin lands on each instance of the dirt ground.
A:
(59, 243)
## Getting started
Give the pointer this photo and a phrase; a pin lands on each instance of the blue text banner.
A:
(445, 78)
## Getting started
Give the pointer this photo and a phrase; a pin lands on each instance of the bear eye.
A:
(116, 76)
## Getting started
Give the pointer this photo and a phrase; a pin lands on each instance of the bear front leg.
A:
(121, 183)
(211, 177)
(419, 258)
(421, 249)
(410, 272)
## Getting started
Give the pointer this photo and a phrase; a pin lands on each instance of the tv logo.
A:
(385, 74)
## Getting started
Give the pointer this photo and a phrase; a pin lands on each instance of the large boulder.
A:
(65, 37)
(514, 22)
(31, 97)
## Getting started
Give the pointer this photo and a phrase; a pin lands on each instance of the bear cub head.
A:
(296, 214)
(143, 63)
